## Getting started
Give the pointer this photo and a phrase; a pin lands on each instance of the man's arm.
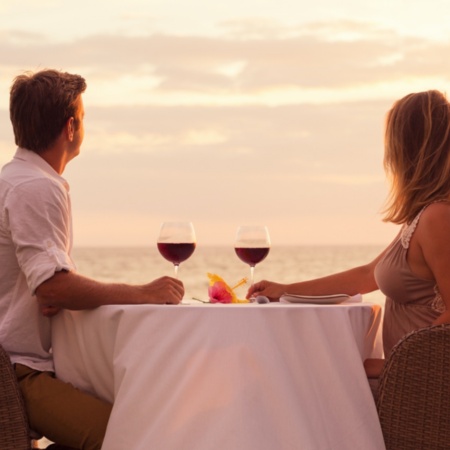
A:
(70, 290)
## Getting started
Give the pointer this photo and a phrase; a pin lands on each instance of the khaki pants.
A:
(62, 413)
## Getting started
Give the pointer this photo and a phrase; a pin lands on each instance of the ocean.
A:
(284, 264)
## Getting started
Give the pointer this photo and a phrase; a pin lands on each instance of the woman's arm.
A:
(430, 251)
(359, 280)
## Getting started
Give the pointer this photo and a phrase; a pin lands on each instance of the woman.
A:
(413, 271)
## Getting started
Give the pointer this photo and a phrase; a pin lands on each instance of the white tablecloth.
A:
(226, 377)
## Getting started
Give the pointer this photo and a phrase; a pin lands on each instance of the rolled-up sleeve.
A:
(40, 225)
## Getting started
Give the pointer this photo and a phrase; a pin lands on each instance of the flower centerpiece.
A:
(220, 292)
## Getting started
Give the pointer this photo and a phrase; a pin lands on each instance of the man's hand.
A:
(69, 290)
(164, 290)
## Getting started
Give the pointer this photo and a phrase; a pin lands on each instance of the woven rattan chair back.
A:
(414, 392)
(14, 431)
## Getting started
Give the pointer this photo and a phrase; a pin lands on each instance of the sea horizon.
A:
(284, 264)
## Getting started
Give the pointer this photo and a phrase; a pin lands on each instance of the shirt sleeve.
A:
(40, 224)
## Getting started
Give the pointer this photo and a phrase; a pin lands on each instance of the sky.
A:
(229, 113)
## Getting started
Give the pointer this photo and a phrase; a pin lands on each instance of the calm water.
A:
(284, 264)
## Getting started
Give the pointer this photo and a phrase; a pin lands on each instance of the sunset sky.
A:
(229, 113)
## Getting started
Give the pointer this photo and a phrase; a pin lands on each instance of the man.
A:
(37, 274)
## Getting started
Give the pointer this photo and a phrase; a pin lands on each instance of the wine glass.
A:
(176, 242)
(252, 245)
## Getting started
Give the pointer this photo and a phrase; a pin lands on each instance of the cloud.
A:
(327, 55)
(291, 129)
(219, 163)
(258, 124)
(241, 141)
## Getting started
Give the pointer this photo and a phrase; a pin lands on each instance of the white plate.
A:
(334, 299)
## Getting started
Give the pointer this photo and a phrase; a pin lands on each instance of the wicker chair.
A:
(414, 392)
(14, 430)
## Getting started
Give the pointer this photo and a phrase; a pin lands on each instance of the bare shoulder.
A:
(436, 215)
(430, 254)
(434, 224)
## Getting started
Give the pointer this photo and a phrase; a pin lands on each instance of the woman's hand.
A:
(268, 289)
(373, 367)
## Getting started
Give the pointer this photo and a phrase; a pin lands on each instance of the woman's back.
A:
(412, 298)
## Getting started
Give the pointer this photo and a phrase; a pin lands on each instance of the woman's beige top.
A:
(411, 302)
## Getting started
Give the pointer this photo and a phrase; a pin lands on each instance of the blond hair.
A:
(417, 154)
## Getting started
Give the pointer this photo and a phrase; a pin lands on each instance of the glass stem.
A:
(176, 270)
(252, 273)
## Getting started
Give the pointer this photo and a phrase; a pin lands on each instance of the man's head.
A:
(40, 106)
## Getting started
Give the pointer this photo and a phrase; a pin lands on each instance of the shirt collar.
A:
(33, 158)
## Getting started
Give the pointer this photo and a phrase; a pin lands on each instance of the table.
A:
(226, 377)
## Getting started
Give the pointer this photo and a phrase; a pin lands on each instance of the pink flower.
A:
(218, 293)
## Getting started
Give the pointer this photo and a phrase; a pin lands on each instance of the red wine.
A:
(252, 256)
(176, 253)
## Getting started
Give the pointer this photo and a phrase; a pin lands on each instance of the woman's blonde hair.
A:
(417, 154)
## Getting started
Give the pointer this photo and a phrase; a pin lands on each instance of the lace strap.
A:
(408, 230)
